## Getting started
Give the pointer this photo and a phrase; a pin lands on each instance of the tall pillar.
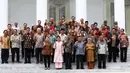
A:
(41, 11)
(3, 15)
(119, 12)
(81, 9)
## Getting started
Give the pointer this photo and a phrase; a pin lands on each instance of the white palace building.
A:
(29, 11)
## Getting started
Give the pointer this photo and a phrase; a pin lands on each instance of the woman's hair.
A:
(4, 31)
(58, 37)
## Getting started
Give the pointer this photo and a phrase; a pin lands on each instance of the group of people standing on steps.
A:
(65, 42)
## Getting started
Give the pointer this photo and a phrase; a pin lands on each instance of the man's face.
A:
(81, 20)
(103, 26)
(62, 18)
(25, 25)
(9, 26)
(62, 31)
(39, 30)
(114, 31)
(39, 22)
(15, 31)
(86, 24)
(51, 20)
(15, 24)
(116, 26)
(73, 18)
(79, 38)
(28, 30)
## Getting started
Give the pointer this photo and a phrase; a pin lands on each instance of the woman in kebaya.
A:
(58, 54)
(90, 50)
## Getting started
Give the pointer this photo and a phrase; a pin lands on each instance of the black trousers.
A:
(109, 53)
(117, 52)
(112, 54)
(52, 57)
(80, 61)
(23, 50)
(73, 56)
(28, 52)
(101, 60)
(47, 60)
(4, 55)
(39, 55)
(33, 51)
(15, 51)
(123, 54)
(68, 60)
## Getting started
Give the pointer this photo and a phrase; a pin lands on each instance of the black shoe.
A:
(99, 67)
(2, 62)
(37, 62)
(109, 61)
(46, 68)
(114, 61)
(125, 61)
(104, 67)
(29, 62)
(77, 68)
(19, 62)
(25, 62)
(82, 68)
(6, 62)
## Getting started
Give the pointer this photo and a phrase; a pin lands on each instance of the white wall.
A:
(22, 11)
(96, 11)
(72, 8)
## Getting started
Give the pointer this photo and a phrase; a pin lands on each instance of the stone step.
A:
(39, 68)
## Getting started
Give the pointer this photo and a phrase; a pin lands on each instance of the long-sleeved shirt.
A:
(80, 49)
(52, 39)
(63, 37)
(68, 47)
(15, 39)
(102, 47)
(27, 38)
(38, 40)
(5, 42)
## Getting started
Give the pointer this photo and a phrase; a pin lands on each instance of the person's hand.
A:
(51, 54)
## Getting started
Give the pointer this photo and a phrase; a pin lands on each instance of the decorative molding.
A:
(57, 2)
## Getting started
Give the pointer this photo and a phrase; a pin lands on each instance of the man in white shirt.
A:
(15, 42)
(63, 36)
(102, 52)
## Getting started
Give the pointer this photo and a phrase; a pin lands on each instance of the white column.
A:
(41, 11)
(81, 9)
(3, 15)
(119, 11)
